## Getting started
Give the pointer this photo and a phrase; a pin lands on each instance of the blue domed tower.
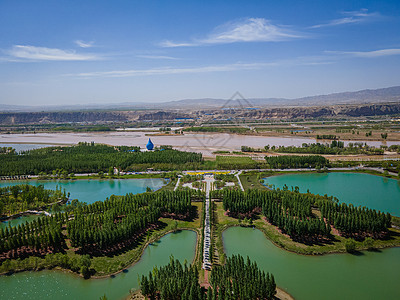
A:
(150, 145)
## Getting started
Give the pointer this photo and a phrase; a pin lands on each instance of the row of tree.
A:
(39, 234)
(355, 221)
(90, 157)
(294, 161)
(335, 147)
(292, 213)
(100, 225)
(237, 279)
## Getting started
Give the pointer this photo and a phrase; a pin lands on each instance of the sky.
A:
(87, 52)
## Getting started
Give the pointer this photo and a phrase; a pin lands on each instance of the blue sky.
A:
(81, 52)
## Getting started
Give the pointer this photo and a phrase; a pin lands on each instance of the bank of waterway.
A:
(369, 275)
(64, 285)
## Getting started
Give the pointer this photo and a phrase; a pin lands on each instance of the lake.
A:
(371, 275)
(92, 190)
(362, 189)
(50, 284)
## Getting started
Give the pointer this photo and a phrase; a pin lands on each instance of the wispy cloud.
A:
(349, 17)
(367, 54)
(83, 44)
(300, 61)
(247, 30)
(33, 53)
(157, 57)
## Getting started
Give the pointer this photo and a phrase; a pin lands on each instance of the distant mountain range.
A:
(384, 95)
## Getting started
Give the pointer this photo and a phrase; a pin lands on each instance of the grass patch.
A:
(235, 162)
(251, 180)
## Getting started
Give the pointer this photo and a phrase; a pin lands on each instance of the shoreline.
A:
(57, 268)
(281, 246)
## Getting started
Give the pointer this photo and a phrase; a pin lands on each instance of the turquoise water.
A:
(92, 190)
(371, 275)
(357, 188)
(18, 221)
(62, 285)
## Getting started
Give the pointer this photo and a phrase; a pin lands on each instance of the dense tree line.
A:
(293, 161)
(355, 221)
(237, 279)
(90, 157)
(103, 224)
(218, 129)
(100, 225)
(18, 198)
(39, 234)
(289, 211)
(292, 213)
(240, 279)
(173, 281)
(336, 147)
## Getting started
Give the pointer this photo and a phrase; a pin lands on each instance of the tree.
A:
(110, 171)
(369, 243)
(350, 245)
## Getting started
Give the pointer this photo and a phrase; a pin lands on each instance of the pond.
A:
(357, 188)
(370, 275)
(63, 285)
(18, 221)
(92, 190)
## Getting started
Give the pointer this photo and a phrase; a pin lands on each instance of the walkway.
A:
(207, 225)
(177, 183)
(238, 178)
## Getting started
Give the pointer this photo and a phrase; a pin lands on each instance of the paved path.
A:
(177, 183)
(207, 226)
(238, 178)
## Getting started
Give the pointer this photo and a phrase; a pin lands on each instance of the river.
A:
(198, 142)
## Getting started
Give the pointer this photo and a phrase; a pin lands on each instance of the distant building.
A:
(150, 145)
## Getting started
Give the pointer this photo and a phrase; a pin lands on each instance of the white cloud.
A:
(248, 30)
(300, 61)
(33, 53)
(368, 54)
(83, 44)
(351, 17)
(157, 57)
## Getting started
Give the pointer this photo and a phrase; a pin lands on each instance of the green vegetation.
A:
(218, 129)
(250, 149)
(90, 157)
(7, 150)
(336, 147)
(98, 229)
(236, 162)
(357, 222)
(292, 213)
(238, 279)
(235, 280)
(326, 137)
(19, 198)
(292, 161)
